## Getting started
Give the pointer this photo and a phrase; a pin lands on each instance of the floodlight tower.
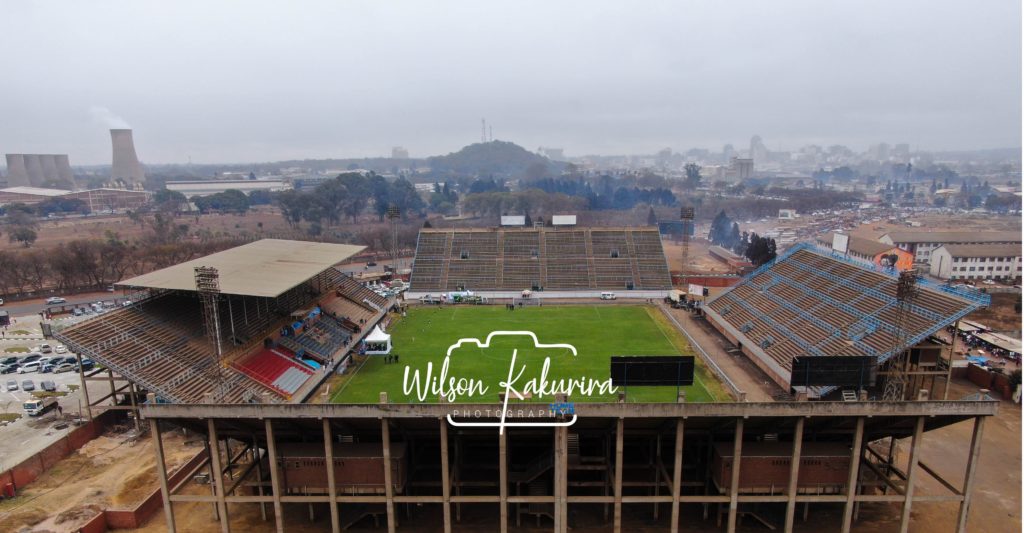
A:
(686, 215)
(898, 379)
(208, 287)
(394, 215)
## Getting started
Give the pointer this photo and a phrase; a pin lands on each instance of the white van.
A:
(607, 295)
(29, 367)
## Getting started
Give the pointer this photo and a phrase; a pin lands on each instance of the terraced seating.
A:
(276, 368)
(812, 303)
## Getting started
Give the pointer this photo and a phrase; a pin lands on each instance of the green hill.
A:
(497, 158)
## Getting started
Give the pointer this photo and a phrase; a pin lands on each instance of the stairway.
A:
(631, 249)
(542, 256)
(591, 271)
(499, 269)
(446, 260)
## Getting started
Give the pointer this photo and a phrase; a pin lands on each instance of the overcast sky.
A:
(219, 81)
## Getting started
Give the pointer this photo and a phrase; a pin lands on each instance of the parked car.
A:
(88, 364)
(10, 360)
(12, 385)
(56, 300)
(46, 368)
(34, 366)
(45, 348)
(63, 367)
(48, 386)
(8, 369)
(78, 311)
(30, 358)
(1, 301)
(28, 386)
(61, 349)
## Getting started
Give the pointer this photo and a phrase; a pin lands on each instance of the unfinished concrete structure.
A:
(25, 170)
(126, 164)
(622, 465)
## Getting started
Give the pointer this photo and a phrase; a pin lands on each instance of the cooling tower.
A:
(17, 174)
(49, 164)
(126, 164)
(64, 168)
(34, 165)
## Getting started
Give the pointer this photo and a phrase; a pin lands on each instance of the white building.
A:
(923, 243)
(208, 187)
(976, 261)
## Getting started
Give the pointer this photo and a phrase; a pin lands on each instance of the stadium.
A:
(321, 401)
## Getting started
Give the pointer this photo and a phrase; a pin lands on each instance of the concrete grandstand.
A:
(554, 262)
(283, 311)
(813, 302)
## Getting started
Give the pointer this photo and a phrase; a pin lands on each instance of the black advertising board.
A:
(834, 371)
(651, 370)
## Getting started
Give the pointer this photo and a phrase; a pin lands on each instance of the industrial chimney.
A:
(126, 164)
(17, 173)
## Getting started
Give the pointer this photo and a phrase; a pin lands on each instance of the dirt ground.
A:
(1002, 315)
(698, 258)
(941, 222)
(112, 470)
(53, 232)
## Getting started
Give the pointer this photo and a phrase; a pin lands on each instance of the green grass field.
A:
(597, 333)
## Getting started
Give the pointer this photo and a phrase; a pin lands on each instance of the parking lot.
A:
(17, 397)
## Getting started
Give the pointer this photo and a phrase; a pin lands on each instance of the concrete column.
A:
(161, 472)
(734, 484)
(259, 475)
(389, 490)
(275, 476)
(972, 467)
(915, 455)
(794, 474)
(677, 475)
(503, 479)
(561, 477)
(218, 476)
(446, 489)
(952, 352)
(113, 389)
(135, 407)
(851, 482)
(332, 489)
(617, 517)
(85, 389)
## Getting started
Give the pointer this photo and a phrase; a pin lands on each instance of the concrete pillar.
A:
(113, 390)
(135, 407)
(275, 476)
(259, 475)
(617, 516)
(972, 467)
(734, 484)
(446, 489)
(915, 455)
(218, 476)
(952, 352)
(332, 489)
(85, 389)
(677, 475)
(503, 479)
(389, 490)
(161, 472)
(851, 481)
(794, 474)
(561, 471)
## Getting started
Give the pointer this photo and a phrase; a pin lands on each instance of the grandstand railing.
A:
(738, 394)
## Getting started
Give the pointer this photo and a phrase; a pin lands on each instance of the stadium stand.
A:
(159, 342)
(549, 259)
(813, 302)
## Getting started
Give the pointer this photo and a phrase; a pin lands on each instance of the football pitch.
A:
(596, 332)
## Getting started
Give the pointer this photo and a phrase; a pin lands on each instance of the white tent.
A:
(377, 342)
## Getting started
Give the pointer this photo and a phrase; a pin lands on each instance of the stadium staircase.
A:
(276, 370)
(591, 271)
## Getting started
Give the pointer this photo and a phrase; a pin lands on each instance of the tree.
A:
(426, 224)
(652, 218)
(293, 206)
(23, 234)
(169, 201)
(693, 176)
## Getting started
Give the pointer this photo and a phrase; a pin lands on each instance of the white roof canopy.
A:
(377, 335)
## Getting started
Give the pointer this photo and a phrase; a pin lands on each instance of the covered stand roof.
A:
(264, 268)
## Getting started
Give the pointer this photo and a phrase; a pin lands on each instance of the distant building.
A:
(976, 261)
(758, 151)
(208, 187)
(399, 153)
(96, 200)
(741, 168)
(922, 243)
(32, 170)
(513, 220)
(869, 251)
(787, 214)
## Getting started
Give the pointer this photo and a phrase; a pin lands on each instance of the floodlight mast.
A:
(394, 215)
(208, 287)
(897, 380)
(686, 215)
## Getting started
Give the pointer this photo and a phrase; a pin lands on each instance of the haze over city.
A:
(258, 81)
